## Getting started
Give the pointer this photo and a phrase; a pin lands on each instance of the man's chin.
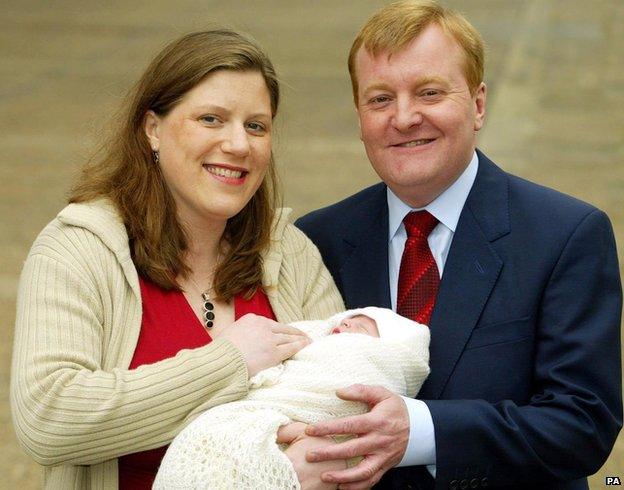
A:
(415, 193)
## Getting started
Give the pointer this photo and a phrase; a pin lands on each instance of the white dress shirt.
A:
(446, 208)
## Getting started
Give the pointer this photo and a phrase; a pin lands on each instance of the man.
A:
(519, 284)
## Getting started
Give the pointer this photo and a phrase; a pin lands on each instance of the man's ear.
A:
(357, 112)
(151, 125)
(480, 106)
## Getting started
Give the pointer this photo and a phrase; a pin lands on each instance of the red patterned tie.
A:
(418, 276)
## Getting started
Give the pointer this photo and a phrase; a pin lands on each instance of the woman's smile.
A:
(226, 174)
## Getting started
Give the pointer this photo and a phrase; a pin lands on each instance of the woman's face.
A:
(215, 145)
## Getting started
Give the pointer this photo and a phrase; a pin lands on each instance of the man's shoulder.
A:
(342, 214)
(531, 198)
(550, 206)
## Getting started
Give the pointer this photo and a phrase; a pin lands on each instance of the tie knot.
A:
(419, 224)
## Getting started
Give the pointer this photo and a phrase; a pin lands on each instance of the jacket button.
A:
(474, 483)
(485, 482)
(463, 484)
(454, 485)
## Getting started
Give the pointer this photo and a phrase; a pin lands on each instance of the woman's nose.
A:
(236, 142)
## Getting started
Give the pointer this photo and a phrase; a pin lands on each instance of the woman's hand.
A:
(263, 342)
(309, 474)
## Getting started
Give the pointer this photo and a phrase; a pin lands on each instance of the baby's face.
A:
(357, 324)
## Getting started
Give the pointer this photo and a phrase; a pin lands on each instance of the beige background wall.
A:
(555, 103)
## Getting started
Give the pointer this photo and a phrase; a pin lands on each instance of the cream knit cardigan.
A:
(75, 405)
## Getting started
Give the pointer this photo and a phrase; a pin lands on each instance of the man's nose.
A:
(407, 115)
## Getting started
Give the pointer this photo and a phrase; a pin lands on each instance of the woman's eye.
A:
(209, 119)
(256, 127)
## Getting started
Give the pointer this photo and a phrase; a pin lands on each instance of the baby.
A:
(234, 445)
(358, 324)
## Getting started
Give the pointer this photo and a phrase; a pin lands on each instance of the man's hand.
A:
(308, 474)
(382, 439)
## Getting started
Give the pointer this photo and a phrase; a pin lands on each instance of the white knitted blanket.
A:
(232, 446)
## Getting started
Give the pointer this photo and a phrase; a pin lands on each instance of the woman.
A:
(131, 302)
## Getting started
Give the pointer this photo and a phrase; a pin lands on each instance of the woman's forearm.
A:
(68, 409)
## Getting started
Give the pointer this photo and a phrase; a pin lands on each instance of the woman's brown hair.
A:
(124, 170)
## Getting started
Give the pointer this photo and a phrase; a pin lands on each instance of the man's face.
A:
(418, 120)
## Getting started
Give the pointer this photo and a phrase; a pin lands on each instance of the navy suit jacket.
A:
(525, 384)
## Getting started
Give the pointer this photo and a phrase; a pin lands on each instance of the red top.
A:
(165, 312)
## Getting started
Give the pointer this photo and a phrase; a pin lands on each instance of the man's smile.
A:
(412, 143)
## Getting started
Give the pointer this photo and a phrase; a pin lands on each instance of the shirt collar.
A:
(446, 207)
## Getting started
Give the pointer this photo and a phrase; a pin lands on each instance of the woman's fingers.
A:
(289, 349)
(286, 329)
(360, 477)
(284, 338)
(263, 342)
(289, 432)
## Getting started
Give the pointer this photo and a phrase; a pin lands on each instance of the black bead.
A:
(209, 315)
(208, 324)
(208, 305)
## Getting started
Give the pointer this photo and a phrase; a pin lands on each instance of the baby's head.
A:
(357, 324)
(382, 323)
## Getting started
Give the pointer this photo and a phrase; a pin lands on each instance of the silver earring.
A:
(156, 157)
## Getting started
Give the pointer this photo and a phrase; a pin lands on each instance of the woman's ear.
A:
(151, 125)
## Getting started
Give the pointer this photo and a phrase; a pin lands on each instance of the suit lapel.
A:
(364, 272)
(470, 273)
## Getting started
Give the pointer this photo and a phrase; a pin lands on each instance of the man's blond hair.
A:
(397, 24)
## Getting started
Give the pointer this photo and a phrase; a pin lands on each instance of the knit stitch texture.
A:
(233, 445)
(75, 405)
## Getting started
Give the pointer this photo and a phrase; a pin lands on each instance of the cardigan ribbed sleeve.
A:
(74, 315)
(75, 405)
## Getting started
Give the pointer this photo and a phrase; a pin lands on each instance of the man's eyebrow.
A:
(376, 86)
(417, 82)
(432, 79)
